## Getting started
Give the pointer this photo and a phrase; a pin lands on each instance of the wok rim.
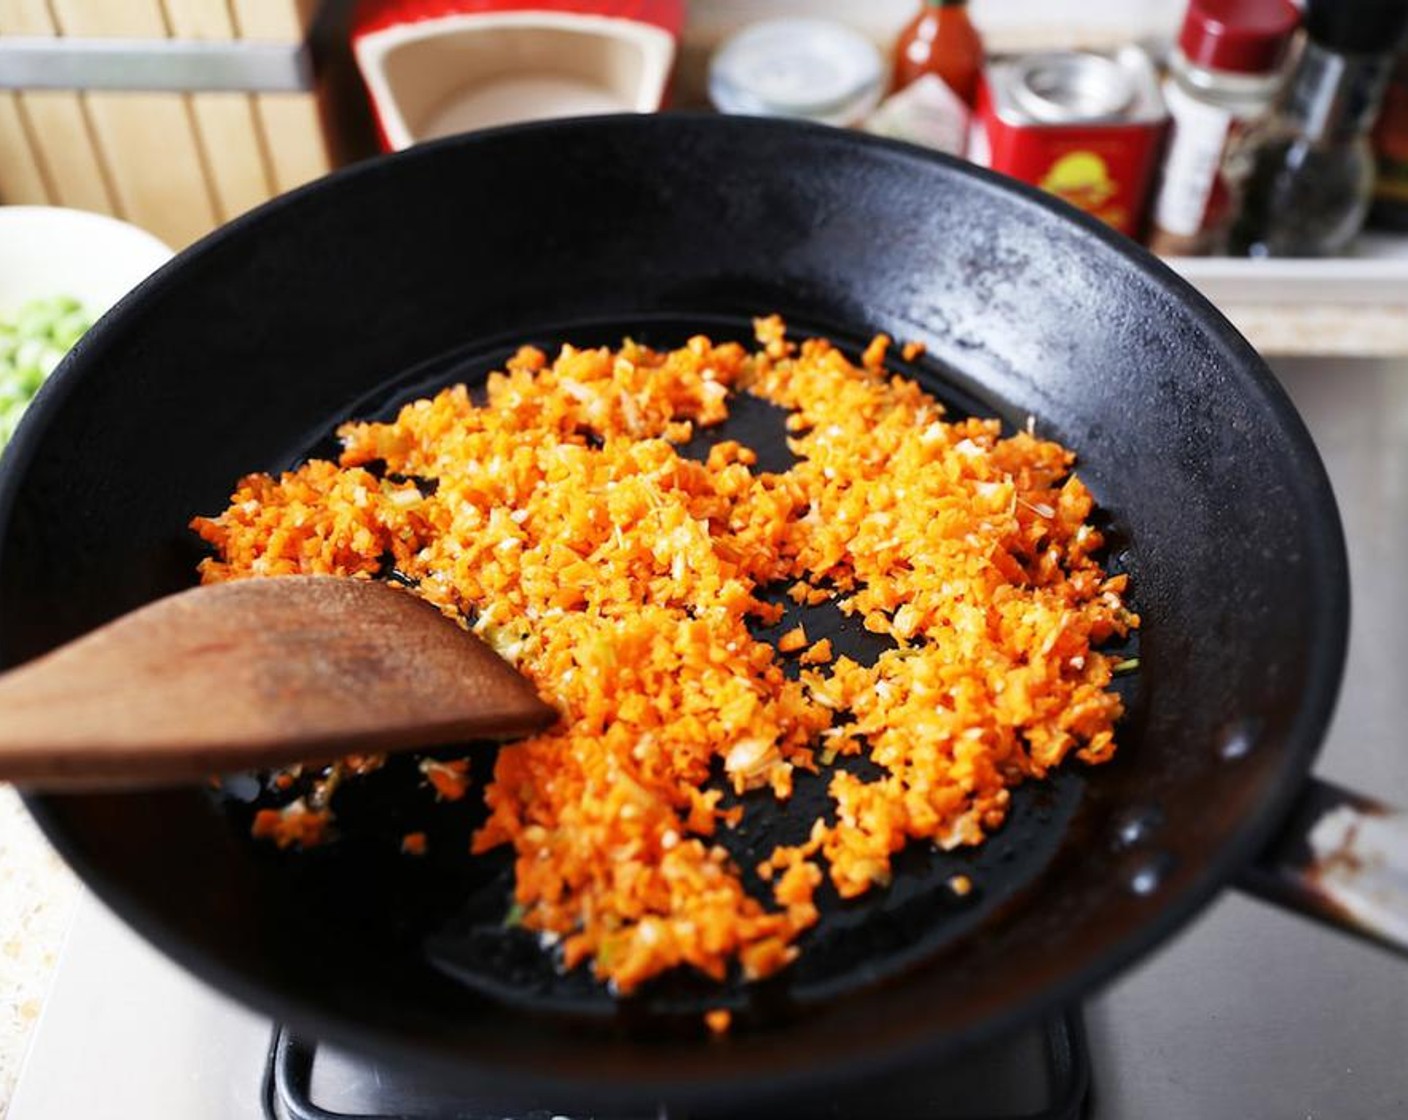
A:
(1329, 620)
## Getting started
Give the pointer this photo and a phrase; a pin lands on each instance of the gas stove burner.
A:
(1042, 1073)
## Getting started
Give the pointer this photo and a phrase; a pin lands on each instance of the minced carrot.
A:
(560, 520)
(414, 843)
(718, 1020)
(294, 824)
(793, 640)
(450, 778)
(874, 356)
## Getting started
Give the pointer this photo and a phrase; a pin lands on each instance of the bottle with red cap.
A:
(1223, 78)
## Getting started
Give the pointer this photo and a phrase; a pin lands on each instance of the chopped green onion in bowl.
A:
(32, 342)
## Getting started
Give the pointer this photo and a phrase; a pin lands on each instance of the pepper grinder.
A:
(1312, 169)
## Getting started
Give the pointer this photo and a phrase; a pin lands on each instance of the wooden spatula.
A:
(255, 673)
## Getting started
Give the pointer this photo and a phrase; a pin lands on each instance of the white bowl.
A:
(51, 251)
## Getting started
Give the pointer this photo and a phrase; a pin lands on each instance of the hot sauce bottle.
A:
(942, 41)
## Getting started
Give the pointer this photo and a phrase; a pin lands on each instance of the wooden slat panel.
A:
(229, 132)
(21, 176)
(147, 139)
(76, 174)
(199, 19)
(227, 124)
(282, 21)
(57, 124)
(293, 134)
(139, 19)
(25, 17)
(292, 124)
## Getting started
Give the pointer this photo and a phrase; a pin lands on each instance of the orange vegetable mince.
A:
(565, 527)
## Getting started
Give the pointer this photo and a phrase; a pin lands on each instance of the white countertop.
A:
(37, 893)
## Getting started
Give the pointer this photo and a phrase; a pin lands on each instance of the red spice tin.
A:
(1089, 128)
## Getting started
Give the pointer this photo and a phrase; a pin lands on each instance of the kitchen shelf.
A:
(1352, 306)
(1376, 273)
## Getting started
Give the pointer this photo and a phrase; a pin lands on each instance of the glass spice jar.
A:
(808, 69)
(1312, 172)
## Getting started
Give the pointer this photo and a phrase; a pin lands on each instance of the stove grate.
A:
(1055, 1055)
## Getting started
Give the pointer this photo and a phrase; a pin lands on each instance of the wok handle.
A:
(1341, 858)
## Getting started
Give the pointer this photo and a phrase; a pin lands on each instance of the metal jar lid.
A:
(1068, 86)
(812, 69)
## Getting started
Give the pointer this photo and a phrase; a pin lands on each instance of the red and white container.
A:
(436, 68)
(1089, 128)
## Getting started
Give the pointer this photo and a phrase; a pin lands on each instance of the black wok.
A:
(407, 273)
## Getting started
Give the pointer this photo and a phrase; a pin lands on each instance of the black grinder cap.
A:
(1358, 26)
